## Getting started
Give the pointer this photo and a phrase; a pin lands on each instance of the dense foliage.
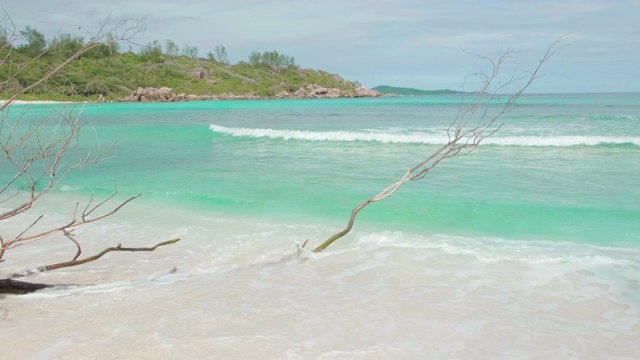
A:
(106, 70)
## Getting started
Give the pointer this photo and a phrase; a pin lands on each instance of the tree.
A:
(37, 154)
(472, 124)
(255, 58)
(211, 57)
(273, 60)
(4, 38)
(220, 54)
(171, 48)
(36, 42)
(67, 45)
(113, 44)
(190, 51)
(108, 48)
(152, 52)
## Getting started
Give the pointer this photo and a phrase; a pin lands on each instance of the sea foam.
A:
(421, 137)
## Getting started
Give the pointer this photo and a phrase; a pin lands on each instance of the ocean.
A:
(528, 247)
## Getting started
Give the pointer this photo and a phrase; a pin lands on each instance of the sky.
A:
(422, 44)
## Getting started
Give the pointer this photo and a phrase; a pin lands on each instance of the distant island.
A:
(385, 89)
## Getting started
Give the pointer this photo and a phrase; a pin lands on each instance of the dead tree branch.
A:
(97, 256)
(37, 152)
(469, 128)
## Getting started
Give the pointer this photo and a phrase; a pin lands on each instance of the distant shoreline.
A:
(34, 102)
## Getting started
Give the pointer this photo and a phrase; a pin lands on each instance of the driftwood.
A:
(10, 286)
(38, 154)
(473, 123)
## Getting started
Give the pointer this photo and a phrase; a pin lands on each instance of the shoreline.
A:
(36, 102)
(165, 94)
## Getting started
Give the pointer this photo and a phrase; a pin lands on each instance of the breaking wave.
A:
(422, 138)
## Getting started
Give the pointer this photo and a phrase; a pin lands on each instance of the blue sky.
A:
(417, 44)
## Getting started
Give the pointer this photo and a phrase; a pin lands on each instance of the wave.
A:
(563, 140)
(422, 138)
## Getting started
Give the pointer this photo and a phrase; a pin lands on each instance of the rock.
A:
(282, 95)
(198, 73)
(166, 94)
(319, 90)
(138, 94)
(152, 95)
(361, 91)
(300, 93)
(333, 93)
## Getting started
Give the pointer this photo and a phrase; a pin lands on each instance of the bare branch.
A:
(67, 227)
(69, 235)
(92, 258)
(38, 150)
(469, 128)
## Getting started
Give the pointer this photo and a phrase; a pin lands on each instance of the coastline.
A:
(165, 94)
(34, 102)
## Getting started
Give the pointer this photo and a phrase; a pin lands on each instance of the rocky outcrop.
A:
(361, 91)
(333, 93)
(151, 94)
(317, 90)
(300, 93)
(311, 91)
(282, 95)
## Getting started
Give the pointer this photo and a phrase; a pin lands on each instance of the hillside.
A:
(385, 89)
(106, 73)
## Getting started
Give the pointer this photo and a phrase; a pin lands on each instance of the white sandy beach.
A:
(35, 102)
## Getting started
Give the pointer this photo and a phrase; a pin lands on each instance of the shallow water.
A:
(522, 250)
(238, 294)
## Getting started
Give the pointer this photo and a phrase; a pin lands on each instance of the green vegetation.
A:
(106, 70)
(409, 91)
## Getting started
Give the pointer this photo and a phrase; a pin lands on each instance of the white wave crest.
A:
(330, 135)
(420, 138)
(561, 140)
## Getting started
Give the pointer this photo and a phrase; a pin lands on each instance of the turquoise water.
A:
(563, 168)
(526, 248)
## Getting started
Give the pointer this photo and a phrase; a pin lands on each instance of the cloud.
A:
(415, 43)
